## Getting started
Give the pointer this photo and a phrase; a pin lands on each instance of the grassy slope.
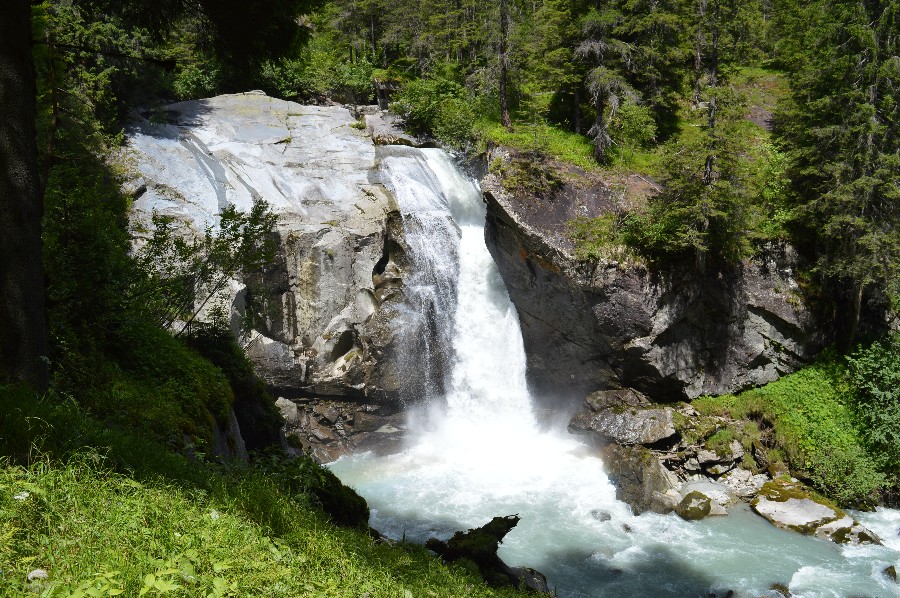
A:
(762, 89)
(814, 431)
(105, 511)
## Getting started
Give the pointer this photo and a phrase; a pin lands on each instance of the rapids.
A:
(477, 451)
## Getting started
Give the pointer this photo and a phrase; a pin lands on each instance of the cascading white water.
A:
(482, 454)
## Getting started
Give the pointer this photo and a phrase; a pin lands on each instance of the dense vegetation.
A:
(108, 512)
(122, 478)
(835, 424)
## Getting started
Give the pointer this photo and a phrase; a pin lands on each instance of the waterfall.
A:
(481, 454)
(430, 285)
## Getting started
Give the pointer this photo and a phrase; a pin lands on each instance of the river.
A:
(476, 450)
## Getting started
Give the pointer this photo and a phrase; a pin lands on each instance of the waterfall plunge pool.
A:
(476, 451)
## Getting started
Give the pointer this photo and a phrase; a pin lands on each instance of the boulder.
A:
(720, 495)
(673, 333)
(633, 426)
(789, 505)
(694, 506)
(743, 483)
(640, 479)
(623, 417)
(384, 129)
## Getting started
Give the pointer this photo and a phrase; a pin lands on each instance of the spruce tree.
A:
(843, 133)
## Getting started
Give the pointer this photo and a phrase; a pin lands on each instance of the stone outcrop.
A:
(672, 334)
(623, 417)
(640, 478)
(328, 429)
(324, 310)
(789, 506)
(480, 545)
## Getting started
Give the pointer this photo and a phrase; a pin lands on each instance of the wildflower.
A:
(22, 495)
(214, 515)
(38, 574)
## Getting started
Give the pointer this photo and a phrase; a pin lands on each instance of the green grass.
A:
(813, 428)
(108, 511)
(539, 136)
(90, 528)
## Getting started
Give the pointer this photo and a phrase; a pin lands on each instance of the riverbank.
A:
(100, 512)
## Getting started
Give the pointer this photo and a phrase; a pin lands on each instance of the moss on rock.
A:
(694, 506)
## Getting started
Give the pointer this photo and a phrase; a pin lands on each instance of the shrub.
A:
(595, 238)
(437, 106)
(813, 428)
(874, 375)
(259, 418)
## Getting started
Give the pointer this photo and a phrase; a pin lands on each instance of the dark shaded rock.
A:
(639, 477)
(341, 502)
(531, 580)
(616, 398)
(891, 572)
(600, 515)
(672, 334)
(480, 545)
(329, 429)
(368, 422)
(694, 506)
(781, 590)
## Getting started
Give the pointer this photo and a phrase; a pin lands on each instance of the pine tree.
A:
(843, 132)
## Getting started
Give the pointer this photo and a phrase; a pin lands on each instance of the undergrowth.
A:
(108, 512)
(814, 429)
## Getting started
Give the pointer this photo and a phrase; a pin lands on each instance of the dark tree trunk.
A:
(850, 309)
(576, 110)
(504, 63)
(23, 321)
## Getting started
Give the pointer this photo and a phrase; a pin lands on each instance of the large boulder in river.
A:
(640, 478)
(671, 333)
(325, 310)
(789, 505)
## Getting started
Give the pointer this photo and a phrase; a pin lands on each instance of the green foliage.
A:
(814, 427)
(529, 175)
(438, 106)
(874, 374)
(157, 383)
(134, 517)
(258, 416)
(704, 209)
(185, 270)
(844, 146)
(632, 128)
(305, 477)
(596, 238)
(196, 80)
(547, 139)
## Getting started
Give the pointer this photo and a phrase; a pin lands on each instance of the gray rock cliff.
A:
(324, 310)
(669, 334)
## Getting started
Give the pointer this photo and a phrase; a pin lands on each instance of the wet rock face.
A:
(324, 310)
(673, 335)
